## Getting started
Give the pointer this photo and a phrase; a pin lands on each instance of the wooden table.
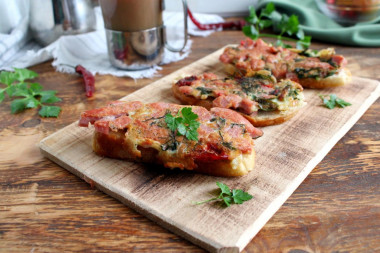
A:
(45, 208)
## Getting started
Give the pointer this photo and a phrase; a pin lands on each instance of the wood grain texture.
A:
(285, 156)
(44, 208)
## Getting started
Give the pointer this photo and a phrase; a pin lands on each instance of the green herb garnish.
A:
(225, 143)
(229, 196)
(187, 125)
(333, 101)
(204, 90)
(308, 73)
(281, 23)
(32, 93)
(171, 144)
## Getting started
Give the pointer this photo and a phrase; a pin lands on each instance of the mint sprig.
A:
(282, 23)
(228, 196)
(32, 94)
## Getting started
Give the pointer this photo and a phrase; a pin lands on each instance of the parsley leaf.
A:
(181, 129)
(24, 74)
(20, 90)
(224, 188)
(188, 114)
(236, 196)
(2, 96)
(32, 102)
(187, 125)
(240, 196)
(268, 10)
(341, 103)
(172, 122)
(49, 111)
(32, 93)
(304, 42)
(192, 134)
(283, 24)
(36, 87)
(7, 78)
(48, 97)
(18, 105)
(333, 101)
(250, 31)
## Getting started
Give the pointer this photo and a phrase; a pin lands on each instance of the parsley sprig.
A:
(281, 23)
(333, 101)
(186, 125)
(229, 196)
(32, 94)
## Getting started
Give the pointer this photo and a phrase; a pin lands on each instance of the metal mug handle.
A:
(184, 4)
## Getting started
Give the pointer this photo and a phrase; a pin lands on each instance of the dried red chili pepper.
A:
(236, 24)
(88, 78)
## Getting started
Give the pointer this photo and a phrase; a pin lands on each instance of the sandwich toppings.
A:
(248, 95)
(284, 63)
(180, 136)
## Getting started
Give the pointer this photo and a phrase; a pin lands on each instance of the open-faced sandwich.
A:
(312, 69)
(216, 142)
(259, 98)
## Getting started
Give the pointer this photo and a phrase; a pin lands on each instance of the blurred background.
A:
(224, 8)
(349, 22)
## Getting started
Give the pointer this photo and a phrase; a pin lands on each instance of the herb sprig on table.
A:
(31, 93)
(228, 196)
(281, 23)
(333, 101)
(185, 123)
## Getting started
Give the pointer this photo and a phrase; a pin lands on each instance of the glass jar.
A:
(350, 12)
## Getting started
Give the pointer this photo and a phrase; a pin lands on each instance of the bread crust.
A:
(114, 145)
(272, 118)
(340, 79)
(190, 100)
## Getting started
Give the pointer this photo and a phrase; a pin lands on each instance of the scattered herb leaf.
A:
(49, 111)
(187, 125)
(228, 196)
(32, 93)
(7, 77)
(18, 105)
(281, 23)
(239, 196)
(24, 74)
(2, 96)
(333, 101)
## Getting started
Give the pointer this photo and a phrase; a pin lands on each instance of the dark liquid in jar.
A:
(131, 15)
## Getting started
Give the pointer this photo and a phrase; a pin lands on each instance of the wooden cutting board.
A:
(286, 154)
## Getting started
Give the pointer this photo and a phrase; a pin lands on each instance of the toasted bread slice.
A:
(312, 69)
(259, 98)
(341, 78)
(140, 132)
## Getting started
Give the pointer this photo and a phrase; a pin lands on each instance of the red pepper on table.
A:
(88, 78)
(237, 24)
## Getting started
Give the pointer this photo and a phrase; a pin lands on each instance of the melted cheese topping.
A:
(248, 95)
(251, 56)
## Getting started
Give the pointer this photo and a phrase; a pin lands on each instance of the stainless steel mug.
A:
(49, 19)
(136, 35)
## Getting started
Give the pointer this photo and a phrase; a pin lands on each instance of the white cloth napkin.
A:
(14, 17)
(90, 49)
